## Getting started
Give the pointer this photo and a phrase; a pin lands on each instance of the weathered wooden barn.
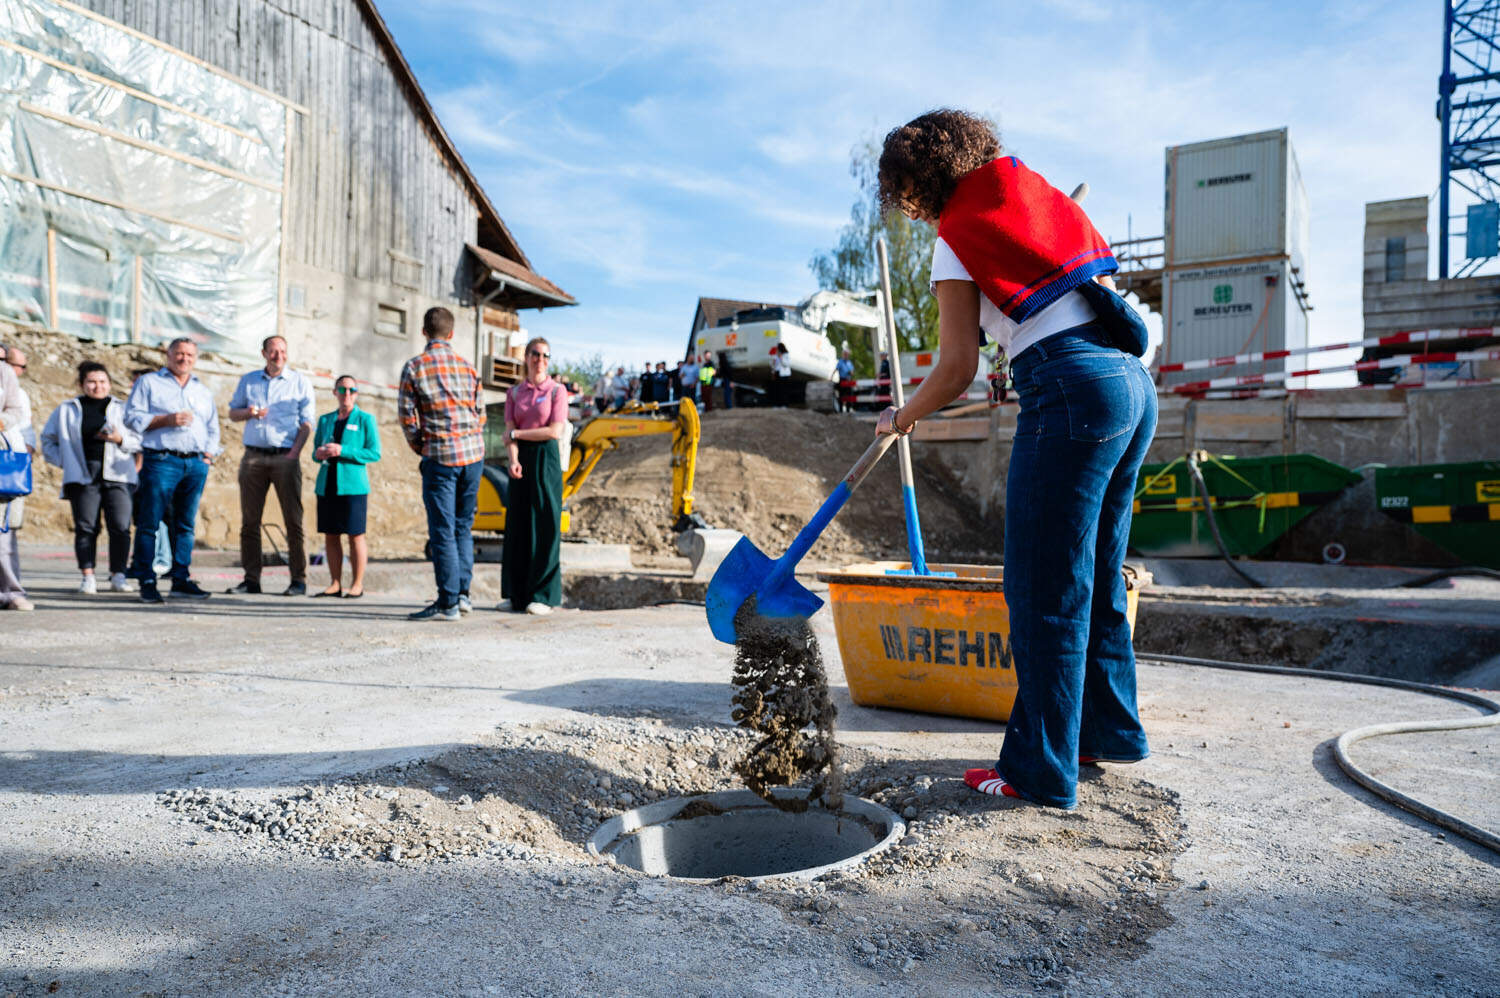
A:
(227, 169)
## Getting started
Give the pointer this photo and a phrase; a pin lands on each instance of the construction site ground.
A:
(264, 796)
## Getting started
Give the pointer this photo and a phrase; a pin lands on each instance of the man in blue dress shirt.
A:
(276, 406)
(178, 422)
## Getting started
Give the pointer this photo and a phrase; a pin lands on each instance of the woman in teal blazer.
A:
(346, 441)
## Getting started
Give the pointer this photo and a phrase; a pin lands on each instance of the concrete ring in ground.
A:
(735, 833)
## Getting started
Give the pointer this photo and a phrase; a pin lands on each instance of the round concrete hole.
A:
(734, 833)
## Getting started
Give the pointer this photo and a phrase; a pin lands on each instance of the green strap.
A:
(1259, 498)
(1158, 476)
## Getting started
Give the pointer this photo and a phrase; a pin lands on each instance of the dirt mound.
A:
(764, 472)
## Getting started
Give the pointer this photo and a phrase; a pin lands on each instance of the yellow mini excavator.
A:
(592, 441)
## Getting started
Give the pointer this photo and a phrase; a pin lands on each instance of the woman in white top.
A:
(1027, 279)
(87, 438)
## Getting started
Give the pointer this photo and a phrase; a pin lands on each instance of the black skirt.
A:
(342, 514)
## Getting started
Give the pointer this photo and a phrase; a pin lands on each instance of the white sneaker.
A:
(118, 583)
(538, 609)
(18, 602)
(504, 606)
(88, 585)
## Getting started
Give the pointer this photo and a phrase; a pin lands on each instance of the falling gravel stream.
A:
(781, 690)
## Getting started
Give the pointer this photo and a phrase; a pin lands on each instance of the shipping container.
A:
(1237, 198)
(1221, 311)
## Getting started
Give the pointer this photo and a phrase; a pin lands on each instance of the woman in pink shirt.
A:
(536, 413)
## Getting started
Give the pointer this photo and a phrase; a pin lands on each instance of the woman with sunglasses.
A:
(536, 416)
(347, 439)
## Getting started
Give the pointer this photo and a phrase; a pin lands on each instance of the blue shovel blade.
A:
(740, 576)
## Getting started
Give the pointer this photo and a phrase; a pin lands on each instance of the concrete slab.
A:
(1309, 887)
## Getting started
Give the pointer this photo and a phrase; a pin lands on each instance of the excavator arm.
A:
(603, 433)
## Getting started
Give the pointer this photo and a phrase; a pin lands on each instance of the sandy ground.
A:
(1236, 860)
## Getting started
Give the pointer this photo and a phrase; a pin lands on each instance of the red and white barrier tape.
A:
(1393, 339)
(1415, 360)
(1278, 393)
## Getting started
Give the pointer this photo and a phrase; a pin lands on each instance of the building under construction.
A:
(230, 169)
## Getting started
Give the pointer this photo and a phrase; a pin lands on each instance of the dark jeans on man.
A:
(450, 494)
(260, 471)
(88, 499)
(169, 492)
(1087, 415)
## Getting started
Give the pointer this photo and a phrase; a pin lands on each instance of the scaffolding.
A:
(1469, 110)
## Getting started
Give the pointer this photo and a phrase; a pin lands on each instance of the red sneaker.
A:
(987, 781)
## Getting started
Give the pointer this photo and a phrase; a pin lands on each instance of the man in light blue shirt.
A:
(178, 422)
(276, 406)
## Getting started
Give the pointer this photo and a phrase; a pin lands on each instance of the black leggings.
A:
(87, 499)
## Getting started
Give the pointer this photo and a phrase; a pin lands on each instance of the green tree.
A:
(582, 371)
(852, 266)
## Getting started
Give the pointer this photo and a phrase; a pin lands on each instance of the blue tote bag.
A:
(15, 478)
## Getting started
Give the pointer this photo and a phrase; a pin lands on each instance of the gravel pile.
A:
(1034, 896)
(351, 821)
(529, 792)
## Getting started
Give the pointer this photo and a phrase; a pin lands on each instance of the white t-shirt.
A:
(1068, 311)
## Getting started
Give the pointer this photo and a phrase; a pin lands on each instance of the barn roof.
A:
(494, 236)
(511, 285)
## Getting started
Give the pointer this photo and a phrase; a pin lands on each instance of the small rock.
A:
(867, 947)
(911, 840)
(439, 789)
(909, 812)
(605, 783)
(1203, 885)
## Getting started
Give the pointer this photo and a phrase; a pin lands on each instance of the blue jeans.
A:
(450, 494)
(169, 490)
(1088, 412)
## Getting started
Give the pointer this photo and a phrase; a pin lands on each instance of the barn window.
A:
(391, 321)
(406, 270)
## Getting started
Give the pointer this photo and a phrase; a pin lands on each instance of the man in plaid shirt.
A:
(442, 415)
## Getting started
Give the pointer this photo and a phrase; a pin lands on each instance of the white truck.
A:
(748, 338)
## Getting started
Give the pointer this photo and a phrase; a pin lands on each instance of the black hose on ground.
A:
(1426, 812)
(1213, 523)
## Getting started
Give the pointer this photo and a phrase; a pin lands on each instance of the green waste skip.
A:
(1456, 506)
(1255, 501)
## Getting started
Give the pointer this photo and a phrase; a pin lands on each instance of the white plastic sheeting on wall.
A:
(140, 192)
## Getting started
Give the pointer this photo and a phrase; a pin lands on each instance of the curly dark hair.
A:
(923, 160)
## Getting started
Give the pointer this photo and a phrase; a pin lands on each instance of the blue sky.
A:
(647, 153)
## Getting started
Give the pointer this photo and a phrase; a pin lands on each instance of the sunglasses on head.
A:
(346, 391)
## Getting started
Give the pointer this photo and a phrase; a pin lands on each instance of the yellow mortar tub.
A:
(936, 644)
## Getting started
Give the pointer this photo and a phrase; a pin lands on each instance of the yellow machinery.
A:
(592, 441)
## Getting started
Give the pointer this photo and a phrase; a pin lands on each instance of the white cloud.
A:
(646, 153)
